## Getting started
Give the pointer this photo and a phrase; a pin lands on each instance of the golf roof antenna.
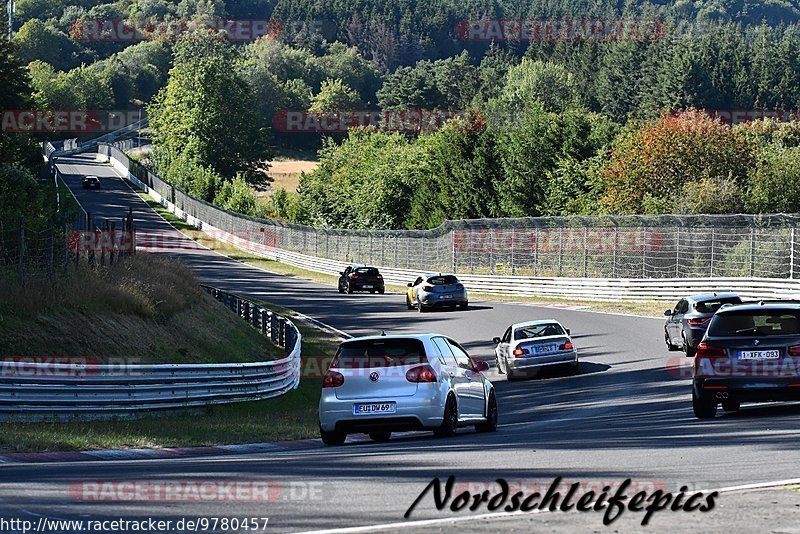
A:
(383, 333)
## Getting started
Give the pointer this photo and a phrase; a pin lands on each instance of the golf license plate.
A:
(374, 407)
(759, 354)
(367, 286)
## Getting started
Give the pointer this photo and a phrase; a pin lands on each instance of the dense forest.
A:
(556, 126)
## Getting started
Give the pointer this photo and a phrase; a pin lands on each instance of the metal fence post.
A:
(536, 251)
(560, 250)
(752, 251)
(644, 252)
(513, 242)
(791, 255)
(677, 251)
(453, 248)
(614, 250)
(711, 263)
(586, 250)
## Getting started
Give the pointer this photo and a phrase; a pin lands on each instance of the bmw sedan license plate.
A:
(374, 407)
(759, 354)
(544, 349)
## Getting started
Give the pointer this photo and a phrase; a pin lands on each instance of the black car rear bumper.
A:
(749, 389)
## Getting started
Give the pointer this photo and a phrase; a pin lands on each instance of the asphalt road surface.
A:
(627, 415)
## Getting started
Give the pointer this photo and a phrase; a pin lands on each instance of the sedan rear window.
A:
(711, 306)
(443, 280)
(379, 353)
(762, 323)
(539, 330)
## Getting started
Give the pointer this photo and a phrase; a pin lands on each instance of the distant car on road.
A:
(431, 291)
(358, 277)
(526, 348)
(381, 384)
(91, 182)
(687, 322)
(750, 353)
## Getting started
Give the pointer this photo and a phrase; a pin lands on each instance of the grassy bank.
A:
(151, 308)
(147, 309)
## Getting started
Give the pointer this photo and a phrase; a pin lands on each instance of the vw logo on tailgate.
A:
(373, 376)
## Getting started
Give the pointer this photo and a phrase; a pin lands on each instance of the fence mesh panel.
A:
(666, 246)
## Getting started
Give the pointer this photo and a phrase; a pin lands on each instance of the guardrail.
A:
(96, 391)
(583, 288)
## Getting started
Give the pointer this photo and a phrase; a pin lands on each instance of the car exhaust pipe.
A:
(722, 395)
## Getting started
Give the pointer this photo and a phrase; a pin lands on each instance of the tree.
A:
(206, 112)
(39, 40)
(666, 164)
(335, 96)
(533, 83)
(15, 91)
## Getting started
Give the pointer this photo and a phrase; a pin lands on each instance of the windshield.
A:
(539, 330)
(761, 323)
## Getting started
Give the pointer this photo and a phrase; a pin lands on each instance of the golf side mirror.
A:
(568, 332)
(496, 340)
(668, 313)
(410, 284)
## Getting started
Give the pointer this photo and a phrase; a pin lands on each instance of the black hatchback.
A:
(361, 278)
(750, 353)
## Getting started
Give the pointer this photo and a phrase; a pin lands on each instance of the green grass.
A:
(145, 309)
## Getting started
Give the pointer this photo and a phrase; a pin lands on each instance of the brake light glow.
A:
(794, 350)
(421, 373)
(380, 277)
(704, 350)
(332, 379)
(698, 322)
(520, 352)
(566, 346)
(353, 276)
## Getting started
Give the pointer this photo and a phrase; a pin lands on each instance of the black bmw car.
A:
(750, 353)
(361, 278)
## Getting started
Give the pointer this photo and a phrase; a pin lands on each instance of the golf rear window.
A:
(711, 306)
(368, 271)
(442, 280)
(379, 353)
(761, 323)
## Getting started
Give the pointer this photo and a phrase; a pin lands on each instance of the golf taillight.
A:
(380, 277)
(698, 322)
(566, 346)
(520, 352)
(353, 276)
(421, 373)
(794, 350)
(332, 379)
(704, 350)
(427, 288)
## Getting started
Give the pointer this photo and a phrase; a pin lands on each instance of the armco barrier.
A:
(45, 390)
(591, 289)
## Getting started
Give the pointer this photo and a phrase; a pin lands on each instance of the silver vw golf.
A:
(527, 347)
(381, 384)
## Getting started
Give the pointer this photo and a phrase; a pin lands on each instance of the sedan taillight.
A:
(520, 352)
(794, 350)
(698, 322)
(704, 350)
(566, 346)
(332, 379)
(421, 373)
